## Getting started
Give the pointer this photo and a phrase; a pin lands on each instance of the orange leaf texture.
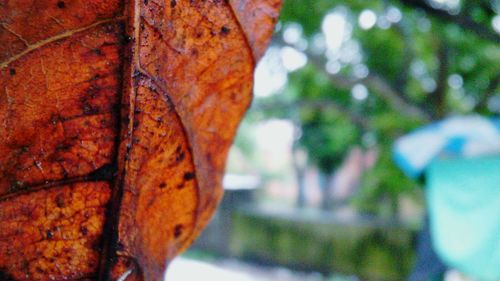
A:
(116, 117)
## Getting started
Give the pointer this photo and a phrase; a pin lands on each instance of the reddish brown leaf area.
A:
(26, 24)
(158, 210)
(57, 107)
(252, 16)
(115, 121)
(53, 234)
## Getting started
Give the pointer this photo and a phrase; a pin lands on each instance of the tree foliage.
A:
(398, 64)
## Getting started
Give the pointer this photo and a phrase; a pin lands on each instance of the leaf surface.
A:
(115, 122)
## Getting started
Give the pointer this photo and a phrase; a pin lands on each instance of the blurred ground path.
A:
(183, 269)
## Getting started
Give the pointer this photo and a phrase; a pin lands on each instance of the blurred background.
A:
(312, 191)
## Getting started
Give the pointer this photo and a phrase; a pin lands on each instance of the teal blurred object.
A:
(464, 208)
(458, 136)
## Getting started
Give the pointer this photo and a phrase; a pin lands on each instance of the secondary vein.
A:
(57, 37)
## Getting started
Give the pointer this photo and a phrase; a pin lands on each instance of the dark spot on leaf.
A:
(179, 154)
(12, 71)
(178, 230)
(173, 3)
(188, 176)
(61, 5)
(163, 185)
(86, 215)
(233, 96)
(97, 51)
(225, 30)
(63, 147)
(120, 246)
(49, 234)
(89, 109)
(54, 119)
(84, 231)
(92, 91)
(127, 39)
(146, 2)
(60, 201)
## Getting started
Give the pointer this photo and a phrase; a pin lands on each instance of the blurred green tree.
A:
(365, 72)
